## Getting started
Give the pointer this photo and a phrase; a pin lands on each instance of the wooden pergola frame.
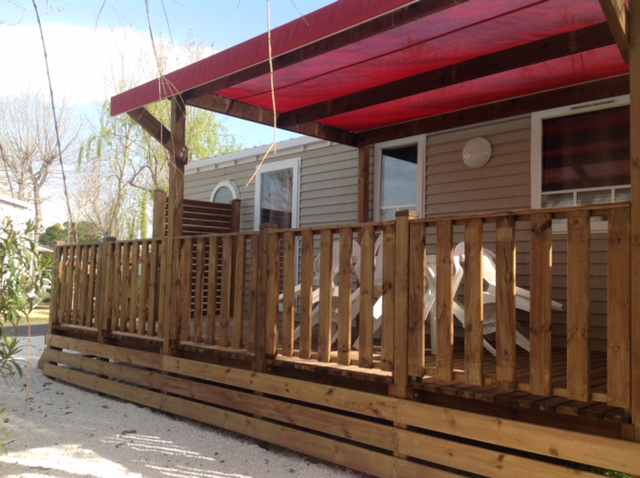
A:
(623, 25)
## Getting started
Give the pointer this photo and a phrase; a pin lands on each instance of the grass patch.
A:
(39, 315)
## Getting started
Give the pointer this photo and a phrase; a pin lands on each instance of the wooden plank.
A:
(505, 303)
(260, 334)
(540, 317)
(365, 324)
(388, 295)
(152, 294)
(198, 314)
(83, 290)
(57, 268)
(473, 300)
(417, 294)
(578, 305)
(345, 297)
(634, 86)
(63, 271)
(182, 298)
(617, 17)
(78, 280)
(401, 310)
(364, 162)
(133, 294)
(125, 288)
(117, 288)
(159, 212)
(618, 309)
(288, 300)
(253, 293)
(143, 294)
(306, 290)
(444, 299)
(226, 284)
(272, 292)
(326, 296)
(212, 290)
(238, 297)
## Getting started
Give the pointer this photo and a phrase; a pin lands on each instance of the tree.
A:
(60, 232)
(28, 147)
(120, 164)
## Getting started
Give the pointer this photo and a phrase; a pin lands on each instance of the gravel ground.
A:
(62, 431)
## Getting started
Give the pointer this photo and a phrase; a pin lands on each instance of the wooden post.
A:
(260, 334)
(235, 215)
(103, 287)
(56, 285)
(159, 212)
(506, 303)
(401, 312)
(363, 184)
(634, 87)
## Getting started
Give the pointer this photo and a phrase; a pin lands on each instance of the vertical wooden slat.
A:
(236, 209)
(473, 299)
(444, 299)
(401, 312)
(272, 291)
(126, 286)
(253, 293)
(103, 285)
(634, 90)
(345, 296)
(505, 303)
(618, 309)
(288, 299)
(225, 292)
(186, 266)
(91, 306)
(326, 296)
(388, 295)
(164, 248)
(365, 326)
(540, 317)
(77, 282)
(56, 283)
(117, 286)
(152, 294)
(578, 307)
(81, 304)
(417, 293)
(71, 273)
(212, 290)
(260, 334)
(133, 294)
(62, 287)
(238, 297)
(306, 290)
(199, 291)
(143, 288)
(363, 184)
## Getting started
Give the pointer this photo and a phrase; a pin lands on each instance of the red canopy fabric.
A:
(469, 30)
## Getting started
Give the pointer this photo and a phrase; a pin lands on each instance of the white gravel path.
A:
(63, 431)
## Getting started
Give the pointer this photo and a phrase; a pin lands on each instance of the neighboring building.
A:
(19, 211)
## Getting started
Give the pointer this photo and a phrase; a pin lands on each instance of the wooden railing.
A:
(263, 294)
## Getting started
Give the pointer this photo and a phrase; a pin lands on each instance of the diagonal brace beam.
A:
(154, 127)
(618, 19)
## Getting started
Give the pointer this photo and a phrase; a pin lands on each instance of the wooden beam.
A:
(238, 109)
(363, 184)
(634, 61)
(591, 91)
(618, 19)
(154, 127)
(340, 39)
(565, 44)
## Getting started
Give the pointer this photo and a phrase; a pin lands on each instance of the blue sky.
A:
(82, 44)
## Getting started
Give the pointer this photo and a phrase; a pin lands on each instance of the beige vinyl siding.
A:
(328, 184)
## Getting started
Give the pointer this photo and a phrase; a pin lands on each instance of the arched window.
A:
(225, 192)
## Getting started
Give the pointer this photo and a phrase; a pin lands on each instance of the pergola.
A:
(359, 72)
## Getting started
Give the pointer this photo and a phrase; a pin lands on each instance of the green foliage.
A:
(87, 232)
(22, 275)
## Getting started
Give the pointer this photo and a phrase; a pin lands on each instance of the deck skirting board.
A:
(359, 430)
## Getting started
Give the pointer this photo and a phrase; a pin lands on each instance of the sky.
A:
(92, 43)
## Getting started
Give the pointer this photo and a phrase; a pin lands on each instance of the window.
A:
(277, 186)
(225, 192)
(399, 177)
(580, 155)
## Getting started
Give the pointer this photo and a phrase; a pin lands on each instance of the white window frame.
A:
(293, 163)
(230, 185)
(536, 138)
(421, 141)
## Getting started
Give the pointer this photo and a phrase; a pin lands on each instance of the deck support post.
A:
(634, 87)
(400, 384)
(260, 334)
